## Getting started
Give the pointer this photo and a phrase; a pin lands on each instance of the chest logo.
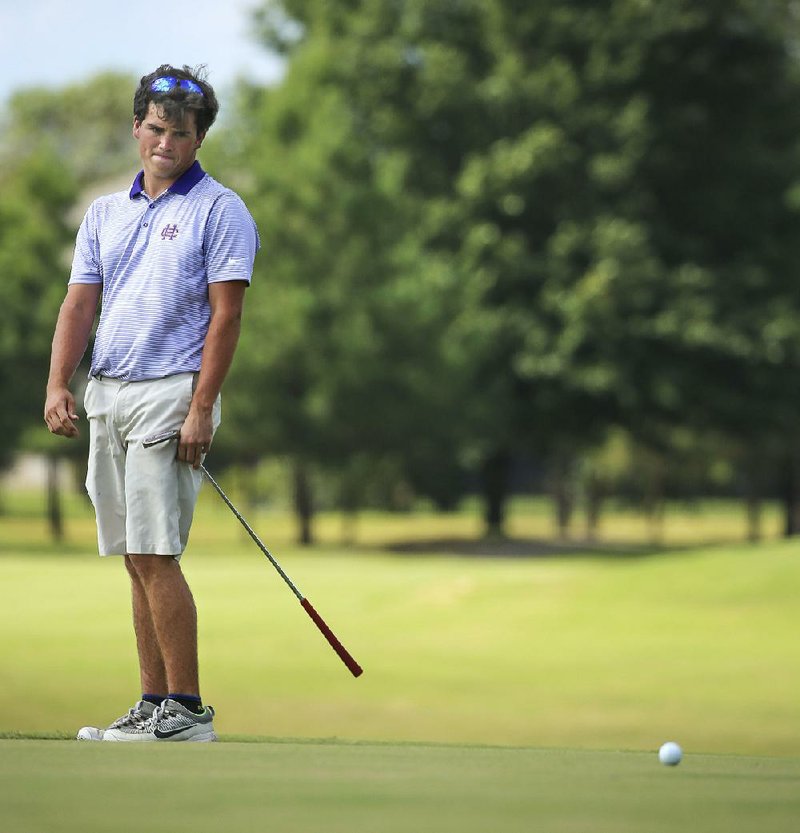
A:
(169, 232)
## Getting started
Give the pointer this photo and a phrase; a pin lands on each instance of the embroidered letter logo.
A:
(169, 232)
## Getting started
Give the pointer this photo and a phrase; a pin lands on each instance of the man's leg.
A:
(167, 622)
(152, 671)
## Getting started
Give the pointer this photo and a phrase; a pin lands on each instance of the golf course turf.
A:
(500, 693)
(299, 787)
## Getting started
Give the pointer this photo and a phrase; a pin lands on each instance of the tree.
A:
(83, 125)
(53, 142)
(33, 236)
(604, 188)
(629, 225)
(341, 333)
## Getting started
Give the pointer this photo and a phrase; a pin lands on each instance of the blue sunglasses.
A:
(167, 83)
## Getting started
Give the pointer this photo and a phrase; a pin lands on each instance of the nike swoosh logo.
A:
(159, 733)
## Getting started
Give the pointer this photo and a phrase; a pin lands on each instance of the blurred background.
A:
(528, 289)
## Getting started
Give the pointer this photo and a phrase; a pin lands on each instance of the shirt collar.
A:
(182, 185)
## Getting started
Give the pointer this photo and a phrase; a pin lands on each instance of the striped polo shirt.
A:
(155, 260)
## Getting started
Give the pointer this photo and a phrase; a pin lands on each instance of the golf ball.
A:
(670, 754)
(90, 733)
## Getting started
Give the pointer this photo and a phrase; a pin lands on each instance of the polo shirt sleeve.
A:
(230, 241)
(86, 266)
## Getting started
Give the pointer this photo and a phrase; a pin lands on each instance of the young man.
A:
(171, 258)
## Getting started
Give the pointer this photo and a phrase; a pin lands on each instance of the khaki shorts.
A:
(143, 498)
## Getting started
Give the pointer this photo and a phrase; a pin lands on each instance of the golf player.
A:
(171, 258)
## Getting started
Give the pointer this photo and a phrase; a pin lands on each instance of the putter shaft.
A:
(251, 533)
(354, 668)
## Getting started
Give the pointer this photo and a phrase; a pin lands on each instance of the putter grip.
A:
(355, 669)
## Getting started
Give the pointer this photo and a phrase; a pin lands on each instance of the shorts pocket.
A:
(88, 397)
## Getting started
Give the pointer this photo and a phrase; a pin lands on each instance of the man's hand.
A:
(226, 299)
(195, 439)
(69, 344)
(59, 412)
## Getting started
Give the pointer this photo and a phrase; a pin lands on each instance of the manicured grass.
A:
(497, 677)
(344, 788)
(570, 651)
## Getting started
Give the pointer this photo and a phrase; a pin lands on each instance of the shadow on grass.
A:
(446, 546)
(19, 547)
(525, 548)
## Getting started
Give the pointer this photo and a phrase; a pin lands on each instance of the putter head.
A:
(161, 437)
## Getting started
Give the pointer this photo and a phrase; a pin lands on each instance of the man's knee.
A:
(145, 568)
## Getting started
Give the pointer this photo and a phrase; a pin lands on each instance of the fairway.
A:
(292, 787)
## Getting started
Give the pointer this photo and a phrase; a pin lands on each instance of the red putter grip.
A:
(355, 669)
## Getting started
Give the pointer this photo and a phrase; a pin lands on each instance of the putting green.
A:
(303, 787)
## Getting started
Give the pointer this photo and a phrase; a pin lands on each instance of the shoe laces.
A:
(134, 717)
(161, 711)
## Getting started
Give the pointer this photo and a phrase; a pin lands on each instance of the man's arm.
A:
(69, 344)
(226, 299)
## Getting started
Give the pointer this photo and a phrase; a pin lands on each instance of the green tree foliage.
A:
(342, 329)
(590, 207)
(53, 142)
(34, 235)
(83, 125)
(629, 224)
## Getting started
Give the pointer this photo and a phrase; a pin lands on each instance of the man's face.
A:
(167, 149)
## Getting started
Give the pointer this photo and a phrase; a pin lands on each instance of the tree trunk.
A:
(753, 499)
(753, 518)
(758, 475)
(594, 504)
(495, 490)
(303, 503)
(563, 495)
(55, 515)
(247, 483)
(791, 494)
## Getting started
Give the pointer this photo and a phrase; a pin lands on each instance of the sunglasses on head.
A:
(167, 83)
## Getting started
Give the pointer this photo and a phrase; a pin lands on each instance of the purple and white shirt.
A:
(155, 260)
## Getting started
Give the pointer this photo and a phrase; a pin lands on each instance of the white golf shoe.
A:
(168, 722)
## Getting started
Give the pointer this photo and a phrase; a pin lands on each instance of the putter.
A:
(355, 669)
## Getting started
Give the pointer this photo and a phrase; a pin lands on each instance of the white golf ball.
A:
(90, 733)
(670, 754)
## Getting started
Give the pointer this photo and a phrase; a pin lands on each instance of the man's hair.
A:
(174, 101)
